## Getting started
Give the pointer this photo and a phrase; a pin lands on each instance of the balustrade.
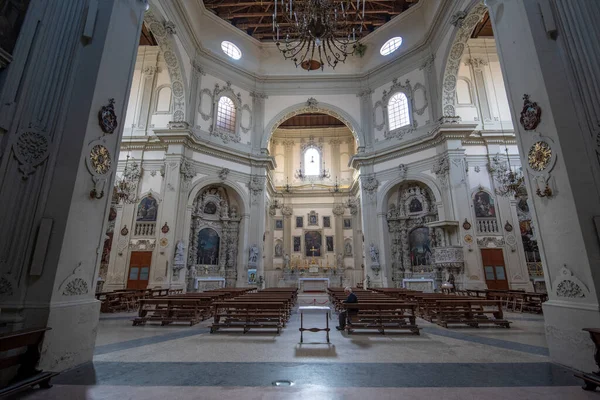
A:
(487, 225)
(144, 228)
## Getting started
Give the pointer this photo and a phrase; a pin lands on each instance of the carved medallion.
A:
(508, 227)
(164, 242)
(539, 156)
(468, 239)
(530, 115)
(124, 231)
(31, 148)
(466, 225)
(108, 118)
(165, 229)
(100, 159)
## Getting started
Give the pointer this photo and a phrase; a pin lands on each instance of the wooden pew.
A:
(168, 310)
(382, 316)
(27, 376)
(248, 315)
(472, 312)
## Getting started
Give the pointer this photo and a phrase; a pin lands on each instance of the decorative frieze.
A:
(568, 285)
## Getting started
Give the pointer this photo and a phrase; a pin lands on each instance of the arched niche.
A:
(312, 106)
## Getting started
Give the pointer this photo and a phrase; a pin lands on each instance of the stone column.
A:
(338, 230)
(546, 53)
(146, 90)
(257, 216)
(53, 231)
(431, 83)
(287, 213)
(476, 65)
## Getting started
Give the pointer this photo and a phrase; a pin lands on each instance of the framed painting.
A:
(420, 246)
(313, 219)
(252, 276)
(147, 209)
(347, 223)
(484, 205)
(297, 244)
(278, 224)
(326, 222)
(208, 247)
(313, 241)
(329, 243)
(299, 222)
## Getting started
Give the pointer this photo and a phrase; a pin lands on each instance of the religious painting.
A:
(329, 243)
(312, 243)
(313, 219)
(297, 244)
(210, 208)
(326, 222)
(484, 205)
(279, 224)
(420, 246)
(147, 209)
(208, 247)
(347, 223)
(252, 276)
(415, 206)
(299, 222)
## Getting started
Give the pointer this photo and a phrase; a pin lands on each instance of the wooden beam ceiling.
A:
(255, 17)
(483, 28)
(307, 121)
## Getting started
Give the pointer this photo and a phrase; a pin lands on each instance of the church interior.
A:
(299, 199)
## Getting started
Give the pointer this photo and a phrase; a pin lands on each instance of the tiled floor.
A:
(182, 362)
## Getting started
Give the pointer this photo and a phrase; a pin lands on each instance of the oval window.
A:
(231, 50)
(391, 45)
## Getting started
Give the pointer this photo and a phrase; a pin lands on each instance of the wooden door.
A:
(494, 269)
(139, 269)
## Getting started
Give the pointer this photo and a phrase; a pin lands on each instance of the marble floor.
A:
(181, 362)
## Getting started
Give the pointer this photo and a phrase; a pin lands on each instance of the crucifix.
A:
(313, 251)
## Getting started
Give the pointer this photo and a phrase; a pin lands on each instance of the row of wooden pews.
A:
(190, 308)
(379, 311)
(266, 309)
(128, 299)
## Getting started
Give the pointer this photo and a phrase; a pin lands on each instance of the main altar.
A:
(311, 274)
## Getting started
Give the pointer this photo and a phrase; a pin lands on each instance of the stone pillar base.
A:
(72, 339)
(568, 344)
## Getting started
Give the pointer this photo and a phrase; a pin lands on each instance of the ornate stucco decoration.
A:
(167, 45)
(31, 148)
(170, 28)
(311, 142)
(445, 255)
(465, 24)
(441, 167)
(369, 184)
(187, 171)
(338, 210)
(142, 244)
(489, 241)
(256, 186)
(541, 160)
(457, 18)
(287, 211)
(6, 286)
(353, 204)
(376, 124)
(224, 173)
(246, 129)
(150, 70)
(201, 104)
(403, 170)
(363, 93)
(75, 284)
(312, 103)
(427, 64)
(568, 285)
(476, 62)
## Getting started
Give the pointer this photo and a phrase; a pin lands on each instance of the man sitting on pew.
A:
(350, 299)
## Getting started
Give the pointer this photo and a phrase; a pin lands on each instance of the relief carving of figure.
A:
(253, 254)
(374, 254)
(286, 261)
(179, 260)
(234, 212)
(348, 249)
(278, 250)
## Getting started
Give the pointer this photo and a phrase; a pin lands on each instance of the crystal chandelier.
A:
(316, 32)
(124, 188)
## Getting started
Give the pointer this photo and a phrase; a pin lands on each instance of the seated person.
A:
(350, 299)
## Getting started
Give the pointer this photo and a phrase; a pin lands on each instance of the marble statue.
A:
(374, 254)
(278, 250)
(253, 254)
(179, 254)
(286, 261)
(348, 249)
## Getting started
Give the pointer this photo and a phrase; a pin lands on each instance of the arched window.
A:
(226, 114)
(312, 162)
(398, 111)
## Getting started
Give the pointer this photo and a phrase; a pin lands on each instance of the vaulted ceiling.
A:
(255, 17)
